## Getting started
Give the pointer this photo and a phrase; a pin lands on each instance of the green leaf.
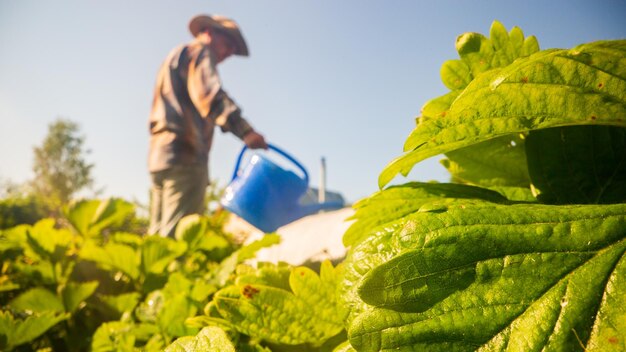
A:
(176, 284)
(455, 74)
(208, 339)
(112, 256)
(42, 272)
(476, 51)
(492, 277)
(158, 252)
(120, 304)
(13, 239)
(578, 164)
(110, 212)
(14, 332)
(310, 313)
(90, 217)
(224, 271)
(170, 307)
(202, 290)
(515, 194)
(8, 286)
(149, 310)
(176, 310)
(80, 214)
(608, 330)
(249, 251)
(478, 54)
(47, 243)
(582, 86)
(121, 336)
(37, 300)
(74, 293)
(344, 347)
(228, 265)
(438, 107)
(191, 229)
(396, 202)
(267, 274)
(216, 246)
(130, 239)
(497, 162)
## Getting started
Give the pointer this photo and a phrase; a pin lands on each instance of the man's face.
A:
(222, 45)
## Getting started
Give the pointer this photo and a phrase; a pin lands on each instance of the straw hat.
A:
(223, 24)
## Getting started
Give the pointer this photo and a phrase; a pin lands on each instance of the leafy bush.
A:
(528, 253)
(20, 210)
(88, 287)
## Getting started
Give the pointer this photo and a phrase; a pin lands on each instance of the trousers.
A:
(175, 192)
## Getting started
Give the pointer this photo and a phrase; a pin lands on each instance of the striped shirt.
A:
(188, 102)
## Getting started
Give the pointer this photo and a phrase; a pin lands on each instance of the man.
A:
(188, 102)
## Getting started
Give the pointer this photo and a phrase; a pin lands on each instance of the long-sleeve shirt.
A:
(188, 102)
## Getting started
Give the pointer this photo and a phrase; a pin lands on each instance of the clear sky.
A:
(340, 79)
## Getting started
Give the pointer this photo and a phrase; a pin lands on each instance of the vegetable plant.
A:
(525, 250)
(83, 285)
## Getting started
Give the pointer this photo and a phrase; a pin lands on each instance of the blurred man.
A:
(188, 103)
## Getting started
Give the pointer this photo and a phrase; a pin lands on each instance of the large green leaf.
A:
(501, 161)
(210, 338)
(582, 86)
(309, 313)
(395, 202)
(493, 277)
(14, 332)
(578, 164)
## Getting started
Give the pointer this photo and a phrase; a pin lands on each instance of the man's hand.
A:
(254, 140)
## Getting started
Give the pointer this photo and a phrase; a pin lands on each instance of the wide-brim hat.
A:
(222, 24)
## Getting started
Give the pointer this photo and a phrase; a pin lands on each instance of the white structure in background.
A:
(313, 238)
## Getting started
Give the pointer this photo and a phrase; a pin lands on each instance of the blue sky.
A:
(339, 79)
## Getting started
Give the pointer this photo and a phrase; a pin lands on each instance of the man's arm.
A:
(213, 102)
(227, 115)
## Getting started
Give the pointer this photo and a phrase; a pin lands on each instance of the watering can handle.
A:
(277, 150)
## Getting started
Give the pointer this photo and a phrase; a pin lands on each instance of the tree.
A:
(60, 167)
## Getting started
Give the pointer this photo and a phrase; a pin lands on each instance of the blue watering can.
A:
(267, 195)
